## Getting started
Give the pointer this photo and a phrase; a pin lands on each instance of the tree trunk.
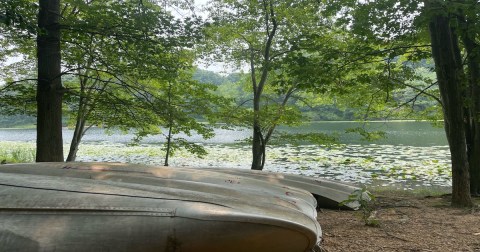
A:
(472, 93)
(78, 133)
(169, 143)
(170, 124)
(258, 148)
(258, 141)
(474, 161)
(446, 53)
(49, 89)
(79, 130)
(261, 140)
(473, 63)
(72, 153)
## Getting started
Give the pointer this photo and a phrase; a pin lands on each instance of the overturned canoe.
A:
(328, 193)
(119, 207)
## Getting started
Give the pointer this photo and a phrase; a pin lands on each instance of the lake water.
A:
(413, 154)
(408, 133)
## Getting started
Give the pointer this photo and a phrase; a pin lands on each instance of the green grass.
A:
(17, 155)
(431, 191)
(17, 152)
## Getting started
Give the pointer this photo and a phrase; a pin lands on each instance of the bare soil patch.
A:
(406, 223)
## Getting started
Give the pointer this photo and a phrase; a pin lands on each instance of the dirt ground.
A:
(406, 223)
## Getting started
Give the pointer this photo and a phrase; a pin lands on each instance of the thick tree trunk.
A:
(471, 93)
(472, 128)
(474, 160)
(258, 141)
(446, 53)
(473, 97)
(258, 149)
(49, 89)
(473, 60)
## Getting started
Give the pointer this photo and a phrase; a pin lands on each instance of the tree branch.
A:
(10, 84)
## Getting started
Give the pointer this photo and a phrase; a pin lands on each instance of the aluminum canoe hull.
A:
(113, 207)
(328, 193)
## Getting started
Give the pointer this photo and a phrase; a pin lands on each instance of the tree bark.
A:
(79, 130)
(170, 124)
(49, 88)
(258, 148)
(473, 141)
(450, 75)
(472, 92)
(76, 139)
(169, 144)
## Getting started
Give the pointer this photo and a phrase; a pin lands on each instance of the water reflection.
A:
(398, 133)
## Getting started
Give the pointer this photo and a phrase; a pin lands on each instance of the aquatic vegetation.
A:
(383, 165)
(11, 152)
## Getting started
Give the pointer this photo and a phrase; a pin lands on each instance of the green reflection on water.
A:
(409, 133)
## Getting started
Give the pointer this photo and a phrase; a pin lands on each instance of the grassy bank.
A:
(17, 152)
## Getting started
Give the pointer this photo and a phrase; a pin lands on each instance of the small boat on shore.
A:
(127, 207)
(328, 193)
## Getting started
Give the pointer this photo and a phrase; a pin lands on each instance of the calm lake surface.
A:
(408, 133)
(414, 154)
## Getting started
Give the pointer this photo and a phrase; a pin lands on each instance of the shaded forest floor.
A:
(407, 222)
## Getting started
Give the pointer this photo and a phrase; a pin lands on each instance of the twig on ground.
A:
(396, 237)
